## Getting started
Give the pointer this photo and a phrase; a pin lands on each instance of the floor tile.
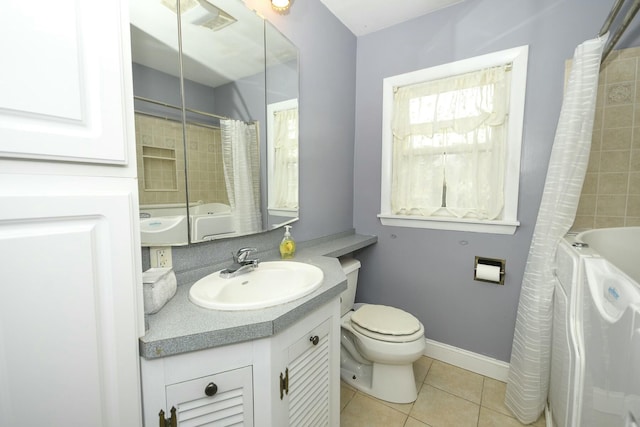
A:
(420, 370)
(405, 408)
(493, 393)
(450, 396)
(491, 418)
(412, 422)
(454, 380)
(438, 408)
(346, 394)
(363, 411)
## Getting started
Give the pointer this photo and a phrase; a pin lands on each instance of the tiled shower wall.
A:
(163, 182)
(611, 192)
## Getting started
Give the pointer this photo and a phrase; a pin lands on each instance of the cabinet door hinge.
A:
(284, 383)
(170, 422)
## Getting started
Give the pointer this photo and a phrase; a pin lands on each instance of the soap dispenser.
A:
(288, 245)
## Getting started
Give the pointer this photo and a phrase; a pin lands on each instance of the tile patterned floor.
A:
(448, 396)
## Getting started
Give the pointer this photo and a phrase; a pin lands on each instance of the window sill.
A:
(452, 224)
(285, 212)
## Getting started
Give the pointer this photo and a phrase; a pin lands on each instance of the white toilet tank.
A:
(350, 267)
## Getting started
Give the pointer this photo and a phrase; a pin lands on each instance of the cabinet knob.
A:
(314, 339)
(210, 389)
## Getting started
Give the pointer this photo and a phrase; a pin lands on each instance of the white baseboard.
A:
(474, 362)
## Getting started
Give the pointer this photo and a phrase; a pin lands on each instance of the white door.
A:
(70, 288)
(309, 377)
(62, 81)
(68, 354)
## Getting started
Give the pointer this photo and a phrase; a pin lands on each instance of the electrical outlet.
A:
(160, 257)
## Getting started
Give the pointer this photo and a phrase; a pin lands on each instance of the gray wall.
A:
(430, 272)
(327, 115)
(427, 272)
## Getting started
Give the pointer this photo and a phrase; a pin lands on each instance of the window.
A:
(451, 144)
(282, 141)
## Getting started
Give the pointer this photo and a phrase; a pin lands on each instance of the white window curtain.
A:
(285, 167)
(528, 379)
(241, 162)
(449, 146)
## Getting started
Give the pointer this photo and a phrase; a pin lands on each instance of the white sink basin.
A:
(272, 283)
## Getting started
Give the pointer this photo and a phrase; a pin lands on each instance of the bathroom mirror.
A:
(216, 121)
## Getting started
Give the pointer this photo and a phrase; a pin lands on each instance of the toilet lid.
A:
(386, 320)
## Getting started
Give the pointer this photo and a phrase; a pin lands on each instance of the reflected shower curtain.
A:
(240, 157)
(528, 379)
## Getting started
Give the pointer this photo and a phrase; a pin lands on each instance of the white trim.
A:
(474, 362)
(285, 212)
(518, 56)
(455, 224)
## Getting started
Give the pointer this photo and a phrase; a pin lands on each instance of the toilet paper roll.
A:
(490, 273)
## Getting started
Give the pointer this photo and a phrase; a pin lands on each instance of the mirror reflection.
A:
(216, 121)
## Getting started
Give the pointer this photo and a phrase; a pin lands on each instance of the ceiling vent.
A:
(202, 13)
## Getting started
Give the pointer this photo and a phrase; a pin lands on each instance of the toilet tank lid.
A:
(349, 264)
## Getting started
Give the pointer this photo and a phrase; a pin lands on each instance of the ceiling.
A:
(366, 16)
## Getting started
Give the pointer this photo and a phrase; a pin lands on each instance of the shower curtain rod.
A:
(190, 122)
(631, 13)
(164, 104)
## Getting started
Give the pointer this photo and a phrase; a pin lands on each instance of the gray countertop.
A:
(181, 326)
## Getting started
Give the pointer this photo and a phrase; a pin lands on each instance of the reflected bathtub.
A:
(163, 224)
(211, 221)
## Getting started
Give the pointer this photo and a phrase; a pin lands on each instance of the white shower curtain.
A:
(528, 379)
(240, 157)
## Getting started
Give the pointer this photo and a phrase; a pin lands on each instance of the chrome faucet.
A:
(241, 263)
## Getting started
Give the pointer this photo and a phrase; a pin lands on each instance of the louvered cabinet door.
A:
(309, 378)
(223, 399)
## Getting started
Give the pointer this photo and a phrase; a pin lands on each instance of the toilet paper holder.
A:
(492, 263)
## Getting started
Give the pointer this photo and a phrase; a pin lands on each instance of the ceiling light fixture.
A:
(281, 6)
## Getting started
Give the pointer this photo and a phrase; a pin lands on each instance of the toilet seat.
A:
(384, 323)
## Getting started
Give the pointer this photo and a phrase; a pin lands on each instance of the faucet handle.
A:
(242, 254)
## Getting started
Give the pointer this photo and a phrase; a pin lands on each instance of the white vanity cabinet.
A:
(289, 379)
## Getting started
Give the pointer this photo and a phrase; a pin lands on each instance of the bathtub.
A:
(211, 221)
(163, 224)
(618, 245)
(586, 340)
(166, 224)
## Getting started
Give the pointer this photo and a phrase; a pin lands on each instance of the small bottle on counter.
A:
(287, 245)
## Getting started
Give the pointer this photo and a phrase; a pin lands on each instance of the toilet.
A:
(378, 344)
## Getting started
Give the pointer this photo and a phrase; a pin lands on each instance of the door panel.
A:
(62, 94)
(68, 310)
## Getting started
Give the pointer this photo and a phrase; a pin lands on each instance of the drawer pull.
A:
(314, 339)
(210, 389)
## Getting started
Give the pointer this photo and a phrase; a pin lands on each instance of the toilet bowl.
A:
(379, 344)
